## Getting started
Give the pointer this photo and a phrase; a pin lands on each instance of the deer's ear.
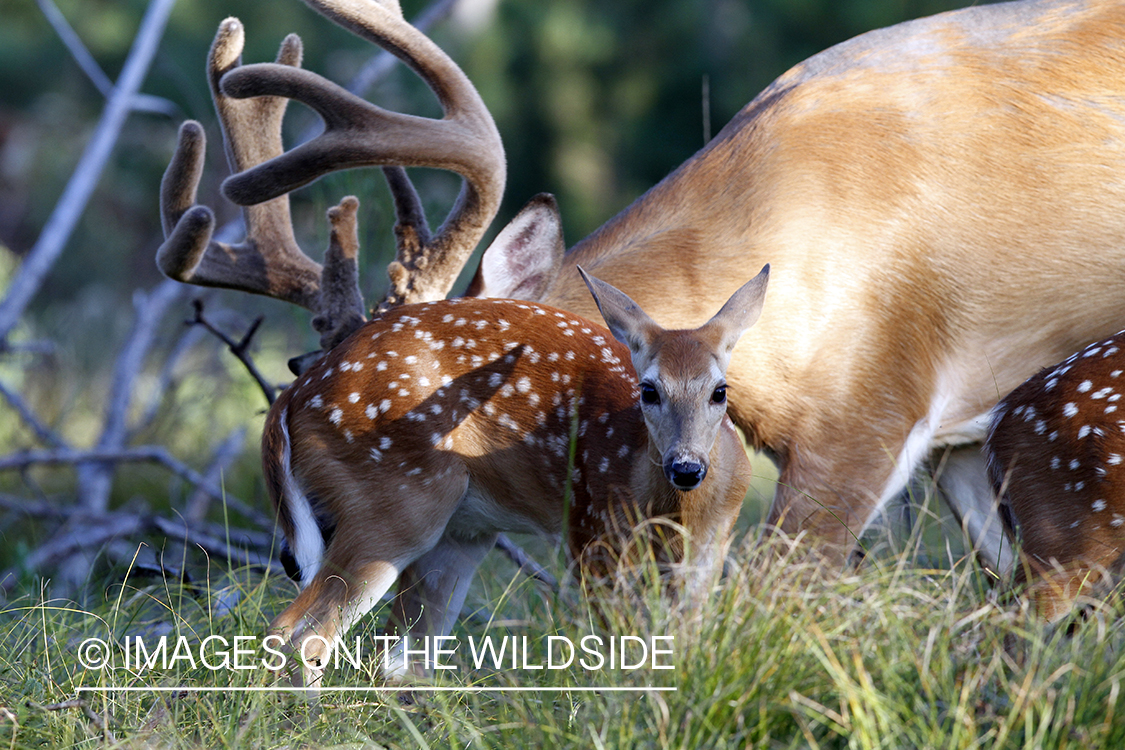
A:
(740, 311)
(524, 258)
(625, 319)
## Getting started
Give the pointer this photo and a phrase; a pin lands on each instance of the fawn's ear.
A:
(625, 319)
(525, 257)
(740, 312)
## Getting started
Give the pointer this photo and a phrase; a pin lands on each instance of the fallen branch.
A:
(90, 713)
(144, 454)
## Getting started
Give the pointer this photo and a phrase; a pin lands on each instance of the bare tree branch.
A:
(89, 66)
(239, 349)
(96, 480)
(145, 454)
(77, 194)
(236, 555)
(200, 501)
(43, 433)
(151, 410)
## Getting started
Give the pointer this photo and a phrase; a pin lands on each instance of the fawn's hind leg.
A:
(431, 593)
(375, 540)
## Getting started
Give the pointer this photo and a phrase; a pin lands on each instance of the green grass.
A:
(889, 655)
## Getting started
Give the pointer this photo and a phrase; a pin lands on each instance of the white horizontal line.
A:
(399, 689)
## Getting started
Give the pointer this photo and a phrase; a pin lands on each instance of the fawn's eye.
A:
(719, 395)
(649, 394)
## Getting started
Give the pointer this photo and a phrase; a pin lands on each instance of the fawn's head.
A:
(682, 373)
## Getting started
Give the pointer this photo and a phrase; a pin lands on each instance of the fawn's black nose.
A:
(685, 475)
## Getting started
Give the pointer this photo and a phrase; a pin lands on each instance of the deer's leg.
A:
(379, 539)
(431, 593)
(965, 487)
(833, 496)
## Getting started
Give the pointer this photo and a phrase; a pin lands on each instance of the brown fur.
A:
(1057, 458)
(495, 394)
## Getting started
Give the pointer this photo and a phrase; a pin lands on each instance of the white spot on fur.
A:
(1083, 431)
(1070, 409)
(353, 397)
(336, 415)
(1114, 459)
(1098, 506)
(1073, 464)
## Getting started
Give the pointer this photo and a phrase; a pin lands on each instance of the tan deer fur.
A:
(943, 207)
(435, 427)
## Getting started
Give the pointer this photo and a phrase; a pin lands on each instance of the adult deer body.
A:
(943, 206)
(435, 427)
(941, 203)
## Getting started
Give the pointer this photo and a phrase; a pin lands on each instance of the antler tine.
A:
(269, 261)
(358, 133)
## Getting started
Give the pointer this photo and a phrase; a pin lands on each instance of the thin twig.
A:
(92, 715)
(239, 349)
(43, 433)
(36, 508)
(72, 203)
(525, 562)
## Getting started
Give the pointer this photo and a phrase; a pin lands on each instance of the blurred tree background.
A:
(596, 101)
